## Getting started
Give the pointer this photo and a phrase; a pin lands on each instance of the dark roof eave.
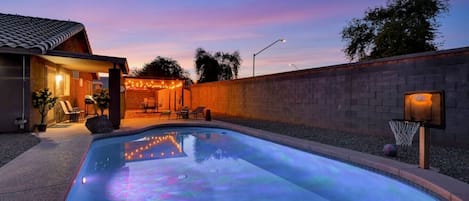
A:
(88, 45)
(11, 50)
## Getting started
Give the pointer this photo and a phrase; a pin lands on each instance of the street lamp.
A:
(294, 66)
(254, 55)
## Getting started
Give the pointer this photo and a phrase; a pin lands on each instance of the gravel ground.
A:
(450, 161)
(12, 145)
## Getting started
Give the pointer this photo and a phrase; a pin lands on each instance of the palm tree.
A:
(219, 66)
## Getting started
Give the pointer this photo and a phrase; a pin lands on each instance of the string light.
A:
(142, 84)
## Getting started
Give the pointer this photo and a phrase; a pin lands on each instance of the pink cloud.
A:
(208, 19)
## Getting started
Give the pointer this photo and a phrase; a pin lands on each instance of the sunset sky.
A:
(142, 30)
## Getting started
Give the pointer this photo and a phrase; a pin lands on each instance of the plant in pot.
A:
(100, 124)
(43, 101)
(102, 99)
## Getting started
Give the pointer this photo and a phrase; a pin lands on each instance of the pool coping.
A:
(441, 185)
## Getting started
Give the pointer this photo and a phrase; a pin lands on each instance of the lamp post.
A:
(255, 54)
(294, 66)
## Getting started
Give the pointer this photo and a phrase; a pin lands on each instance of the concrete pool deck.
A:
(46, 171)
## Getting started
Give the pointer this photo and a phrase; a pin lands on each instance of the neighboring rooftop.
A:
(32, 32)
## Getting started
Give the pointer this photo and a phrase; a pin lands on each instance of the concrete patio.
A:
(46, 171)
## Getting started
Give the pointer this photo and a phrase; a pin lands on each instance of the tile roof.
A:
(32, 32)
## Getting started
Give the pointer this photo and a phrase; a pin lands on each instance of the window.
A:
(62, 84)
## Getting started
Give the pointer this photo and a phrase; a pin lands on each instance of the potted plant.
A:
(43, 101)
(102, 99)
(100, 124)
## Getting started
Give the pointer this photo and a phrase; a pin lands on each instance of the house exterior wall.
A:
(79, 91)
(134, 98)
(43, 74)
(11, 86)
(359, 98)
(170, 99)
(41, 78)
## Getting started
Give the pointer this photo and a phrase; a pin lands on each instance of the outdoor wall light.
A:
(58, 78)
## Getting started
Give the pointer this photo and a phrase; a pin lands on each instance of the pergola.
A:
(139, 86)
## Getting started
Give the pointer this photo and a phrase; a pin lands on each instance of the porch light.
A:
(58, 78)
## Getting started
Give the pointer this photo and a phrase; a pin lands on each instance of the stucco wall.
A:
(43, 75)
(134, 98)
(78, 92)
(40, 80)
(358, 97)
(11, 85)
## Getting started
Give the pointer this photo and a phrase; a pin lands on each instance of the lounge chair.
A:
(198, 110)
(70, 108)
(73, 109)
(73, 116)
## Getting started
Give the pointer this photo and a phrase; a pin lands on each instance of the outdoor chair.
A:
(73, 116)
(73, 109)
(183, 113)
(198, 110)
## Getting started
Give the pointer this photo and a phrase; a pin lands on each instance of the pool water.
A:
(208, 164)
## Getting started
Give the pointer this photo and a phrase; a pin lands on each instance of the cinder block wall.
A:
(357, 97)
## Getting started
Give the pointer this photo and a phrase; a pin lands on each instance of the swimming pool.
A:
(193, 163)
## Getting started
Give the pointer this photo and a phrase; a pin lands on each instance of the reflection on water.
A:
(154, 147)
(212, 146)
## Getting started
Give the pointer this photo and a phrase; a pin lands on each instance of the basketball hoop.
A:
(404, 131)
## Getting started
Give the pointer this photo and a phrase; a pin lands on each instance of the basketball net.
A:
(404, 131)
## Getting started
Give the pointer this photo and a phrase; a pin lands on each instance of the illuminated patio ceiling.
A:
(75, 61)
(86, 62)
